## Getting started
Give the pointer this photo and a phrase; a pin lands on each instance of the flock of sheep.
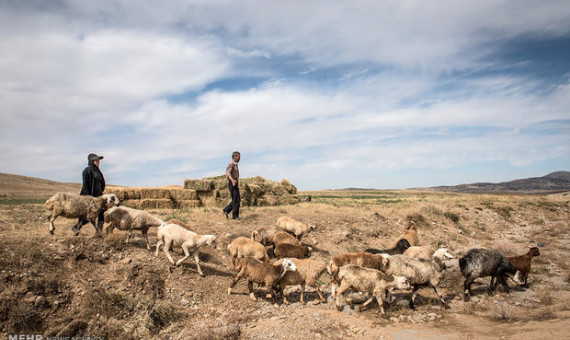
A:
(376, 272)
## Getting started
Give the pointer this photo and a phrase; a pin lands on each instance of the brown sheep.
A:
(411, 234)
(522, 264)
(291, 250)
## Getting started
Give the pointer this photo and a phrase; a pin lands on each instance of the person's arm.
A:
(229, 173)
(88, 181)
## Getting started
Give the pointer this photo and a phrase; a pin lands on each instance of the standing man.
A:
(232, 174)
(94, 185)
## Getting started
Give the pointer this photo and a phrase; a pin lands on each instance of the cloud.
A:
(322, 94)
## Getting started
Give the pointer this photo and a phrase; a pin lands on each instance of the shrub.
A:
(452, 216)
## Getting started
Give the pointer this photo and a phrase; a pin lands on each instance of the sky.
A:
(388, 94)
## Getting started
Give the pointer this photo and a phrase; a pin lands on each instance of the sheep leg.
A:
(186, 254)
(322, 299)
(380, 302)
(128, 236)
(413, 300)
(250, 289)
(280, 291)
(467, 289)
(440, 297)
(343, 288)
(166, 248)
(492, 285)
(303, 293)
(158, 244)
(236, 279)
(503, 280)
(51, 219)
(145, 235)
(197, 259)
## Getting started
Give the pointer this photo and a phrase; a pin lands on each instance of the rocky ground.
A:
(65, 285)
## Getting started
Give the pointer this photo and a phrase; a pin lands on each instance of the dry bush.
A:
(504, 313)
(508, 248)
(22, 317)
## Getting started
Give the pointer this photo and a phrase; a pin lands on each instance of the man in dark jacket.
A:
(93, 185)
(232, 174)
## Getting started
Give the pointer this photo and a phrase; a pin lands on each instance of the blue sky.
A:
(327, 94)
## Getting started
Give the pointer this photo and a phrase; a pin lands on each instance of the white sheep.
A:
(129, 219)
(308, 273)
(262, 273)
(370, 281)
(244, 247)
(419, 272)
(173, 235)
(74, 206)
(297, 228)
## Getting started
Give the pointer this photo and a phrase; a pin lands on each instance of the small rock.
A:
(184, 302)
(40, 301)
(127, 260)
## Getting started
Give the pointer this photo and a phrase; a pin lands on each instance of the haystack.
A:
(207, 192)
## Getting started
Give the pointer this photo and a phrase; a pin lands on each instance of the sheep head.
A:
(534, 251)
(402, 282)
(112, 200)
(442, 254)
(288, 266)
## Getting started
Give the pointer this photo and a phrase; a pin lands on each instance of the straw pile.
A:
(207, 192)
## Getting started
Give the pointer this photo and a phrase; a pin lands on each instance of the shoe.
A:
(227, 217)
(75, 230)
(236, 218)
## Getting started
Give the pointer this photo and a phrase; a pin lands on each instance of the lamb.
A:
(486, 262)
(308, 273)
(419, 252)
(177, 236)
(244, 247)
(362, 259)
(124, 218)
(370, 281)
(262, 273)
(74, 206)
(291, 250)
(419, 272)
(297, 228)
(522, 264)
(283, 237)
(265, 235)
(411, 234)
(401, 247)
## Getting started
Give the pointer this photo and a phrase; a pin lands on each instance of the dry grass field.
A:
(64, 285)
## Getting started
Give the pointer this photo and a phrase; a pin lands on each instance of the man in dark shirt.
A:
(93, 185)
(232, 174)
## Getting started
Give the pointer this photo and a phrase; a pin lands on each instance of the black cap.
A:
(93, 157)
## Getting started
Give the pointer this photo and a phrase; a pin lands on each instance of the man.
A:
(94, 185)
(232, 174)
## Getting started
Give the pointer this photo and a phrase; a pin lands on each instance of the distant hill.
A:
(16, 186)
(554, 182)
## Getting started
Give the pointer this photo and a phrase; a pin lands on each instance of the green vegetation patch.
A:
(20, 201)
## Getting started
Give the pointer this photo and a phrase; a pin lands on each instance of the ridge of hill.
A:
(17, 186)
(558, 181)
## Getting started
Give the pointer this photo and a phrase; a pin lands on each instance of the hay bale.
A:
(146, 204)
(278, 190)
(199, 184)
(208, 198)
(188, 204)
(135, 204)
(164, 204)
(183, 194)
(132, 194)
(154, 193)
(288, 186)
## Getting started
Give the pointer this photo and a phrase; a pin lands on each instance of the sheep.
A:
(283, 237)
(124, 218)
(420, 272)
(362, 259)
(177, 236)
(297, 228)
(401, 247)
(411, 234)
(244, 247)
(291, 250)
(522, 264)
(419, 252)
(370, 281)
(74, 206)
(308, 273)
(265, 235)
(486, 262)
(262, 273)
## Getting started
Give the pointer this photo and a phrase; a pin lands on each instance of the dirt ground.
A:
(64, 285)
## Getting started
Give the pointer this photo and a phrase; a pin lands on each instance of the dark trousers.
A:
(234, 205)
